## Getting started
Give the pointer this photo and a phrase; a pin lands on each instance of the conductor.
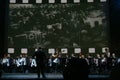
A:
(40, 61)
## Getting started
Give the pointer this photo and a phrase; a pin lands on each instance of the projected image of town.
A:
(57, 25)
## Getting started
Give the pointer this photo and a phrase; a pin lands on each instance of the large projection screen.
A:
(80, 24)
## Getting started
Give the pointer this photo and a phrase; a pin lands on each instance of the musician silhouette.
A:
(76, 69)
(40, 57)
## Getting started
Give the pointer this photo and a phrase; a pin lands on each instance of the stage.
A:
(55, 76)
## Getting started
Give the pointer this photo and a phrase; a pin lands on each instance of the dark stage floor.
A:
(55, 76)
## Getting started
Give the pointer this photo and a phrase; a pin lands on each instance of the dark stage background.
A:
(114, 19)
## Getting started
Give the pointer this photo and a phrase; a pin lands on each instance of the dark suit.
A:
(76, 69)
(40, 60)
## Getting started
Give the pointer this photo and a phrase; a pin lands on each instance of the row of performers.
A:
(56, 63)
